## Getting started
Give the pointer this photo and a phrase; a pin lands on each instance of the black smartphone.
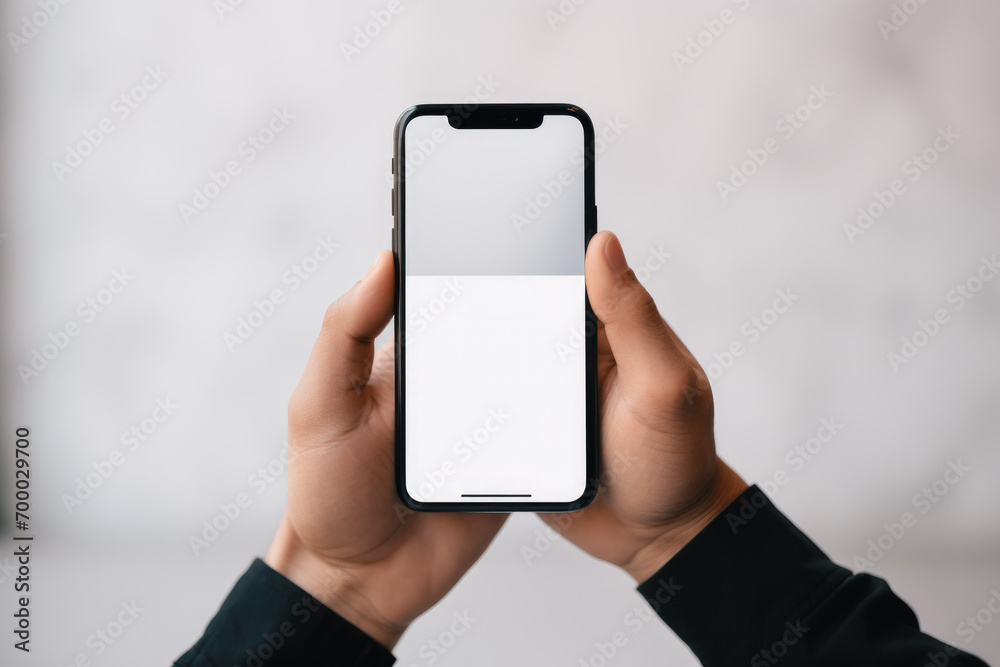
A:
(496, 381)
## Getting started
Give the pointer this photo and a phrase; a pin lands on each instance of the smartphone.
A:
(496, 382)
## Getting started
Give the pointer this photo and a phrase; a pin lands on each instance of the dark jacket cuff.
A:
(268, 620)
(748, 577)
(752, 589)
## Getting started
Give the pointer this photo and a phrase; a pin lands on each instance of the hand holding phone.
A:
(345, 537)
(661, 480)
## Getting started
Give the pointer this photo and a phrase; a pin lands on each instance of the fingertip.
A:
(596, 247)
(383, 260)
(615, 256)
(600, 276)
(379, 281)
(367, 307)
(605, 257)
(374, 266)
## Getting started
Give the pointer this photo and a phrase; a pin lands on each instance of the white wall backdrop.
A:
(208, 78)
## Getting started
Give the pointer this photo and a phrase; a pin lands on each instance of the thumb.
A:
(341, 359)
(646, 351)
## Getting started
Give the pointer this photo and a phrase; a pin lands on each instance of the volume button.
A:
(392, 196)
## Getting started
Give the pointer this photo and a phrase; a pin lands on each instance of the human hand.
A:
(343, 538)
(662, 481)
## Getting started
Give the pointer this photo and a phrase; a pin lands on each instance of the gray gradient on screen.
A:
(485, 202)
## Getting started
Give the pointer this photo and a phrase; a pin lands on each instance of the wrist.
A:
(725, 487)
(339, 588)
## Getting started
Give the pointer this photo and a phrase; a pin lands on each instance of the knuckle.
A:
(683, 390)
(629, 299)
(696, 395)
(332, 315)
(646, 311)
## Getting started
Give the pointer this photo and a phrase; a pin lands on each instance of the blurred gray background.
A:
(713, 265)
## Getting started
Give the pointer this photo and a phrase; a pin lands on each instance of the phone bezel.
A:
(489, 116)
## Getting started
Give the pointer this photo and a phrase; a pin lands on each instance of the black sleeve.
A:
(268, 620)
(752, 589)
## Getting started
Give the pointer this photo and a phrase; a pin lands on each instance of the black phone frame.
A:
(491, 116)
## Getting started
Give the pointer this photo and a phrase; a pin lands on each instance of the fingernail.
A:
(378, 258)
(614, 255)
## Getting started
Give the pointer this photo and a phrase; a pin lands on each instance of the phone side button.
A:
(392, 196)
(394, 239)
